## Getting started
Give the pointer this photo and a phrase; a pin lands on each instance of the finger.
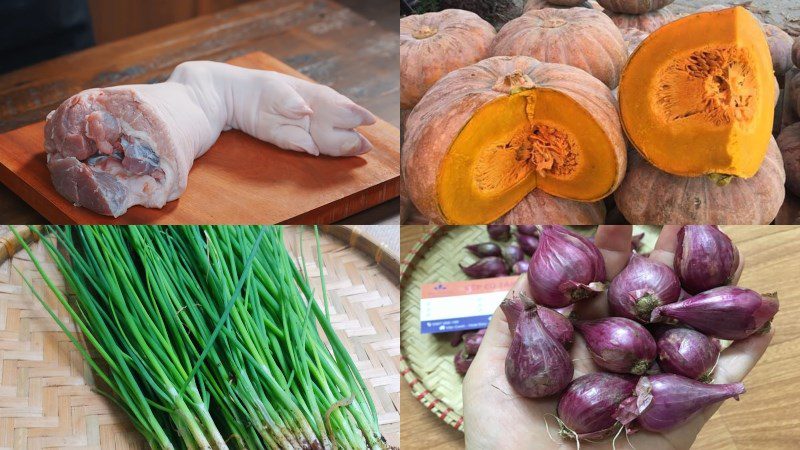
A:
(666, 245)
(497, 333)
(736, 361)
(614, 242)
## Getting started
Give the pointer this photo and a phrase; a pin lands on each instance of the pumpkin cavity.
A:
(544, 147)
(717, 85)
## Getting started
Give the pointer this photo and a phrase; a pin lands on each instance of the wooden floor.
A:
(768, 415)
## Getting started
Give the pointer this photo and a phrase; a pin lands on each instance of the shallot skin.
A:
(559, 327)
(688, 353)
(705, 258)
(488, 267)
(618, 344)
(565, 268)
(641, 286)
(536, 364)
(663, 402)
(586, 408)
(726, 312)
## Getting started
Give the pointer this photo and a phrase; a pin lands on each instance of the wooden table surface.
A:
(322, 39)
(768, 415)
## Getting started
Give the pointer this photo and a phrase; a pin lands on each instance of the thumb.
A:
(497, 333)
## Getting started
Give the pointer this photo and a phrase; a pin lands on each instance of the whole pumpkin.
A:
(649, 195)
(436, 43)
(633, 6)
(633, 37)
(647, 22)
(488, 134)
(579, 37)
(780, 48)
(542, 208)
(789, 143)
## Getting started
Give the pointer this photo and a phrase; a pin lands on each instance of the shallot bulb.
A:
(462, 361)
(473, 341)
(489, 267)
(688, 353)
(618, 344)
(586, 409)
(528, 243)
(519, 267)
(530, 230)
(513, 254)
(727, 312)
(662, 402)
(643, 285)
(536, 364)
(485, 249)
(705, 258)
(565, 268)
(556, 323)
(499, 232)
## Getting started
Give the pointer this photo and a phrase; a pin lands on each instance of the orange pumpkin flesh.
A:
(533, 138)
(696, 97)
(486, 135)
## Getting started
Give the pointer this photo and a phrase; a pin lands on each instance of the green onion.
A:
(209, 337)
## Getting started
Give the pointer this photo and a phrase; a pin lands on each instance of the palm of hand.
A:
(498, 418)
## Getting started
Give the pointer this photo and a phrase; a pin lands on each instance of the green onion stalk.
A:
(209, 337)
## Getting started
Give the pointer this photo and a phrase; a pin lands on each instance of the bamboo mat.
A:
(46, 397)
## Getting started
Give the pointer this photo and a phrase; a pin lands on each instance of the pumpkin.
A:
(486, 135)
(434, 44)
(542, 208)
(531, 5)
(569, 3)
(789, 143)
(633, 6)
(780, 48)
(791, 97)
(647, 22)
(697, 96)
(649, 195)
(633, 37)
(580, 37)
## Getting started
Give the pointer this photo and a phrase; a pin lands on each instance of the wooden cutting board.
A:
(239, 180)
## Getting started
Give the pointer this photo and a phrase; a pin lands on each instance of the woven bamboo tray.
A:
(427, 359)
(46, 396)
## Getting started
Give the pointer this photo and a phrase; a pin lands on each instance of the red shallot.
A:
(586, 409)
(618, 344)
(641, 286)
(688, 353)
(705, 258)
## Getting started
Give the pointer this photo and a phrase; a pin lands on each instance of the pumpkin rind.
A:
(649, 195)
(789, 143)
(633, 6)
(541, 208)
(780, 48)
(633, 37)
(579, 37)
(532, 5)
(436, 43)
(438, 120)
(708, 107)
(647, 22)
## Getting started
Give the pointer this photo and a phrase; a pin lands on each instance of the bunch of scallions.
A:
(208, 337)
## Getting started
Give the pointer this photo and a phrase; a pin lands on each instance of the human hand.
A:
(496, 417)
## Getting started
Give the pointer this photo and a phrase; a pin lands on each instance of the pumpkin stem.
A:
(513, 83)
(721, 179)
(424, 32)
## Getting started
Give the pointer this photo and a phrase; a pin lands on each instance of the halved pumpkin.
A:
(696, 97)
(486, 135)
